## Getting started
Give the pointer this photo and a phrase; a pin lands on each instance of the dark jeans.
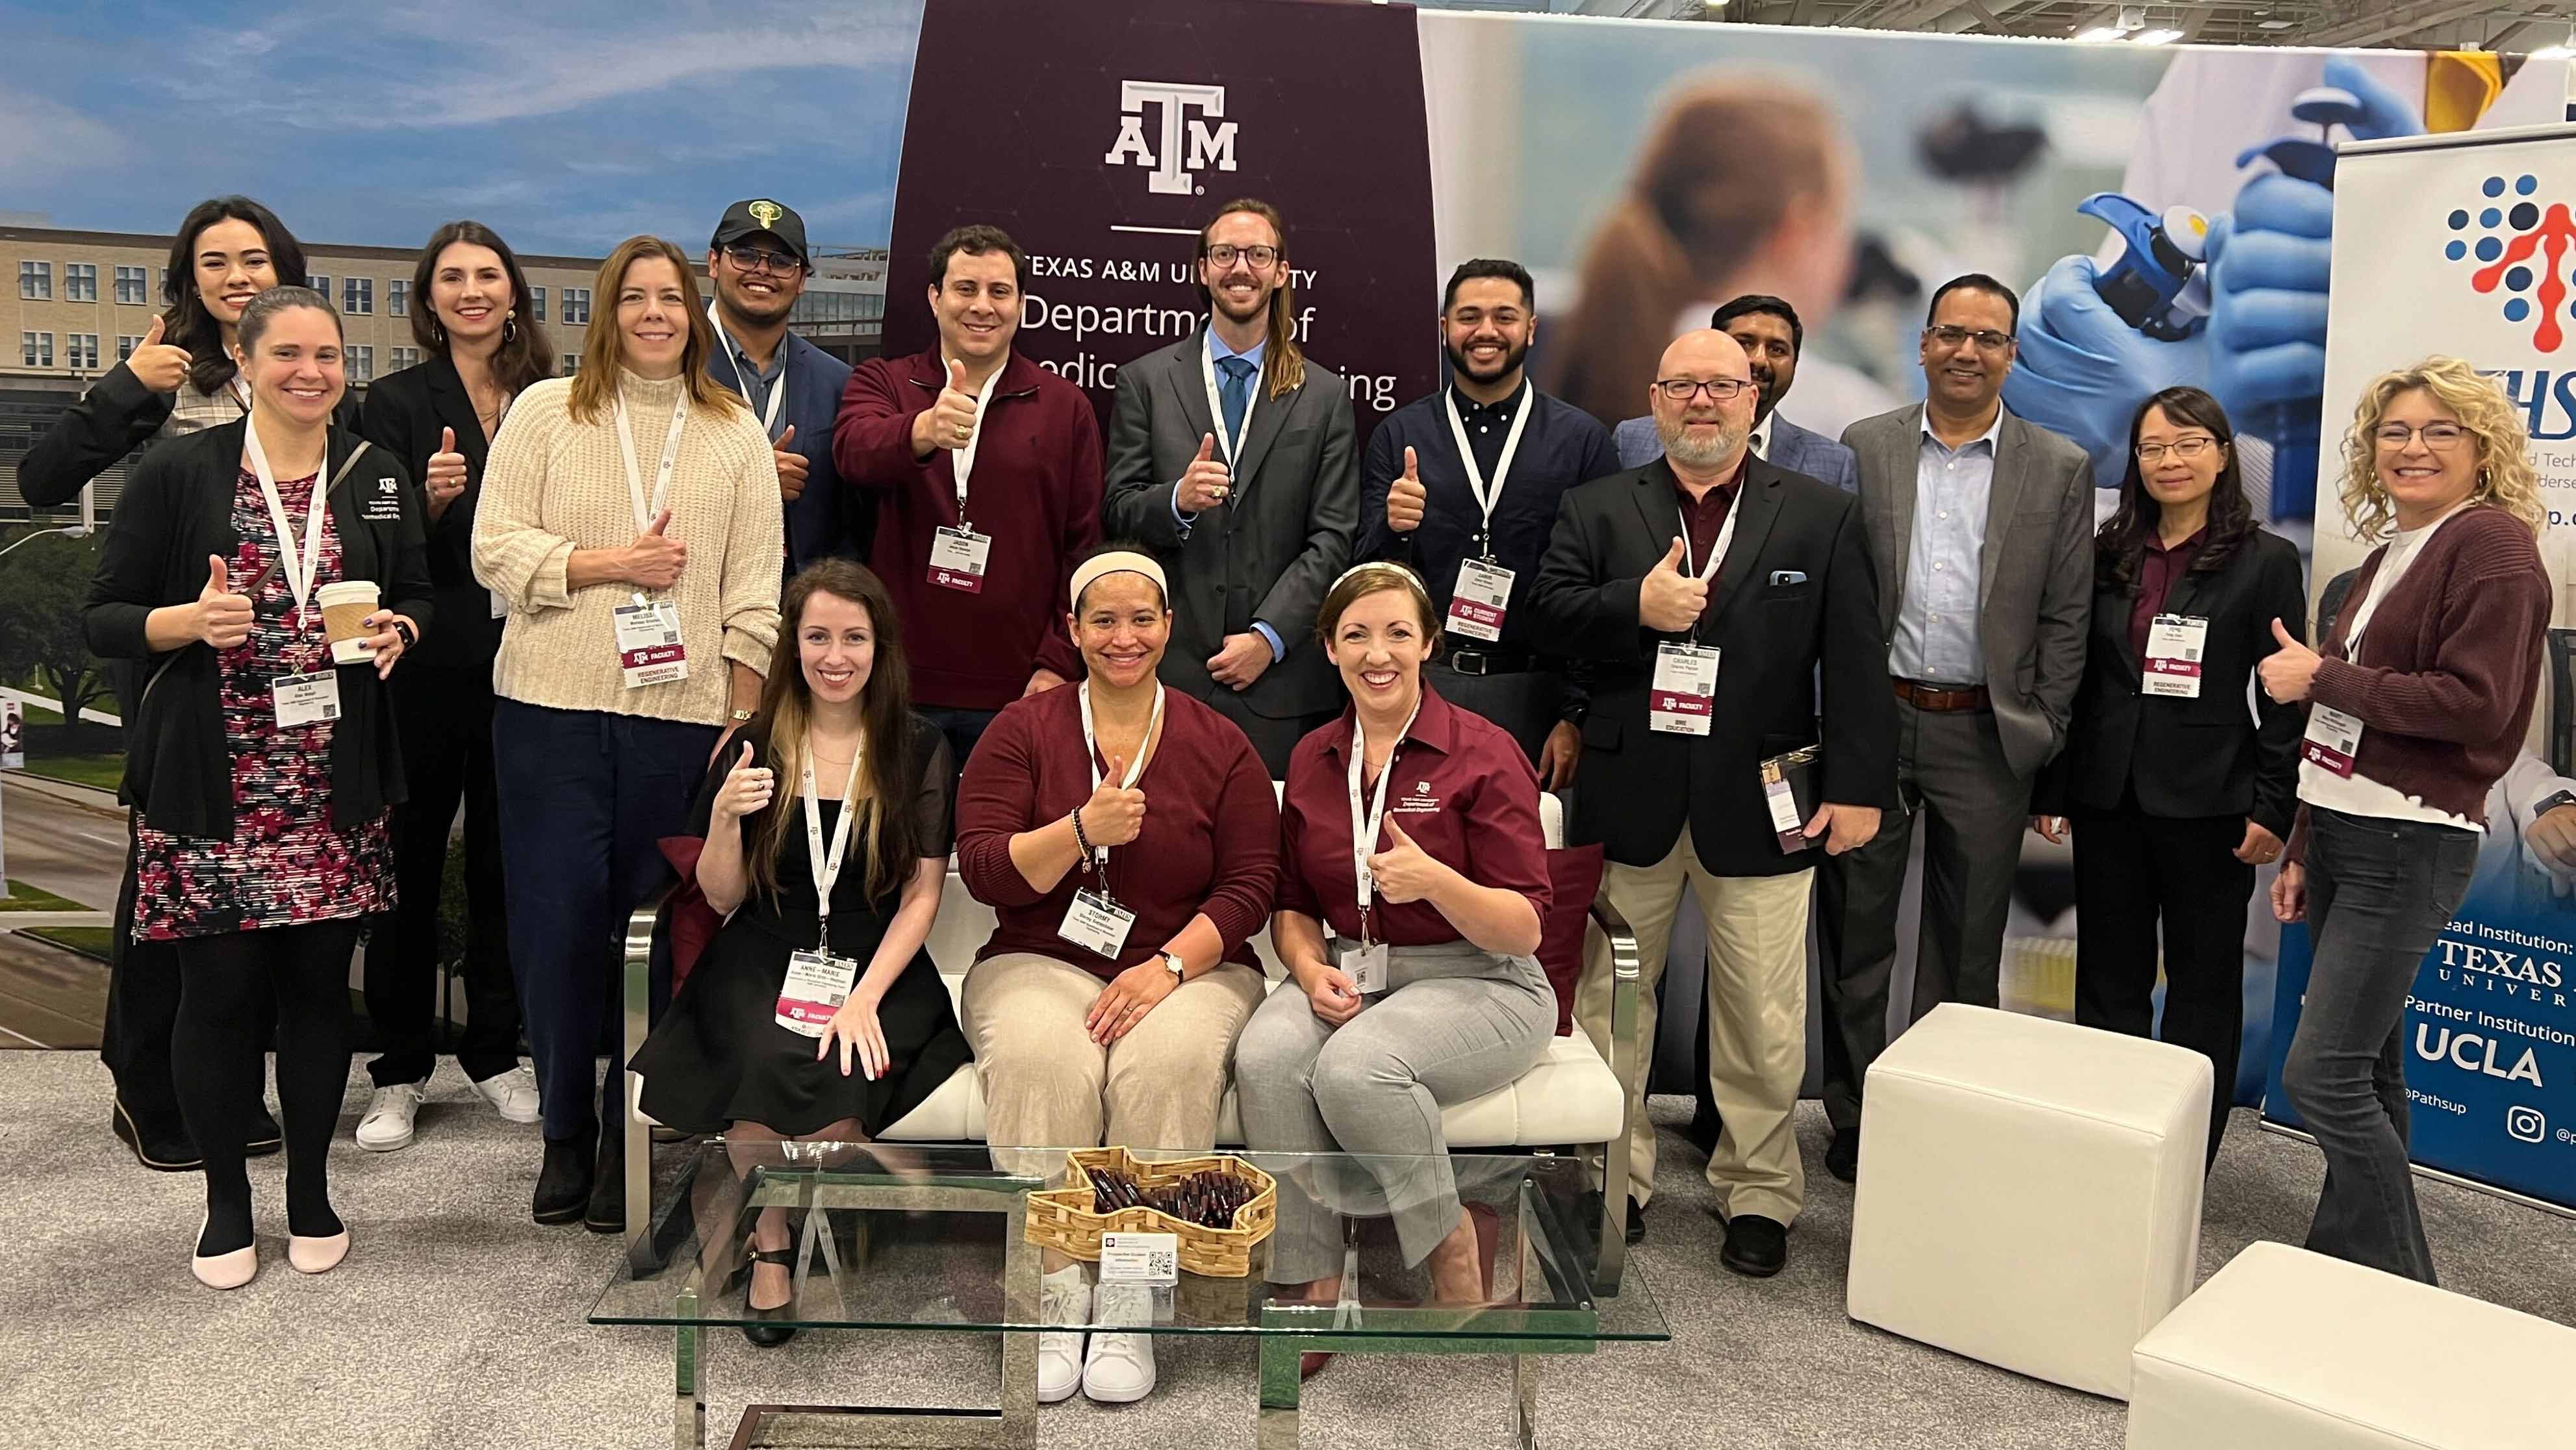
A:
(2134, 872)
(446, 742)
(586, 796)
(2379, 893)
(962, 728)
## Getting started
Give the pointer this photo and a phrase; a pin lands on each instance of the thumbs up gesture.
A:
(1668, 600)
(1405, 498)
(791, 466)
(223, 617)
(747, 788)
(1205, 483)
(444, 479)
(1404, 871)
(156, 364)
(2288, 672)
(1115, 815)
(655, 559)
(950, 422)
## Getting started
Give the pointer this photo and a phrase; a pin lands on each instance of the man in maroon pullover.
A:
(986, 472)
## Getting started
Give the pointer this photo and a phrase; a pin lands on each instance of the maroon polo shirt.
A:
(1210, 841)
(1035, 492)
(1702, 520)
(1462, 790)
(2158, 570)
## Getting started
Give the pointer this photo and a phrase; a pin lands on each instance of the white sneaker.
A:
(1064, 1297)
(1119, 1368)
(513, 1094)
(388, 1123)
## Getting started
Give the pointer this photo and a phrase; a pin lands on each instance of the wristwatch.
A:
(402, 627)
(1173, 961)
(740, 717)
(2552, 802)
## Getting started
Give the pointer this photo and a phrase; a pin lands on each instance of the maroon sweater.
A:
(2448, 672)
(1210, 841)
(1035, 492)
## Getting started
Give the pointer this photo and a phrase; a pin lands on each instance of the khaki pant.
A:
(1048, 1085)
(1757, 1019)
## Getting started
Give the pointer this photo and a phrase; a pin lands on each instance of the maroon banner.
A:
(1101, 133)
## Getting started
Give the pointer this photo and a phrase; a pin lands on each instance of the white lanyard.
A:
(964, 463)
(1487, 495)
(1135, 767)
(777, 390)
(1364, 829)
(1216, 403)
(300, 568)
(826, 865)
(1725, 536)
(644, 516)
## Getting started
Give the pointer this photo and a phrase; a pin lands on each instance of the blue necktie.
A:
(1235, 392)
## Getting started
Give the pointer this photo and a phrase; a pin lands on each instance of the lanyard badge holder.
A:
(818, 983)
(649, 651)
(1095, 921)
(959, 555)
(311, 697)
(1365, 961)
(2177, 645)
(1484, 588)
(1683, 698)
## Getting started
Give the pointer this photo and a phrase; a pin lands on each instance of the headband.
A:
(1383, 566)
(1117, 561)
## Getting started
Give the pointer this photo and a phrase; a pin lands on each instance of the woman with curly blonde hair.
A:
(2420, 699)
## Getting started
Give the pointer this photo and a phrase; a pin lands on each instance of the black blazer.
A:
(2200, 757)
(177, 509)
(402, 415)
(1776, 637)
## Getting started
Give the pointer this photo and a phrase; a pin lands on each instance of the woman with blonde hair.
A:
(2419, 701)
(630, 521)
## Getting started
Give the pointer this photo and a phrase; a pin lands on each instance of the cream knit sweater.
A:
(554, 484)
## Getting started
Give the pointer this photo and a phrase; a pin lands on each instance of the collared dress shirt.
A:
(1939, 639)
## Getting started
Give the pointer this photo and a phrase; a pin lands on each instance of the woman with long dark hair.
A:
(2174, 797)
(482, 345)
(179, 380)
(836, 768)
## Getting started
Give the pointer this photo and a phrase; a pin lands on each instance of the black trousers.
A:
(1528, 703)
(142, 1012)
(446, 739)
(2133, 873)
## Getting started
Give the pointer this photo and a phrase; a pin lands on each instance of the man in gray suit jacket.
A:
(1981, 525)
(1235, 461)
(1768, 330)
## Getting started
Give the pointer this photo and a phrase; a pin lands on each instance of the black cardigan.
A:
(177, 510)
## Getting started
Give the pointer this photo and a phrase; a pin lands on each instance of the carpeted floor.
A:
(457, 1322)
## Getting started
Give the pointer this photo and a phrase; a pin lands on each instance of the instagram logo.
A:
(2525, 1125)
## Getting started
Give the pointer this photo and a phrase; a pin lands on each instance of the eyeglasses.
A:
(1986, 338)
(2440, 437)
(1720, 390)
(2183, 448)
(759, 259)
(1225, 253)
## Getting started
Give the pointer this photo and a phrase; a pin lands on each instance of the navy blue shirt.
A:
(827, 520)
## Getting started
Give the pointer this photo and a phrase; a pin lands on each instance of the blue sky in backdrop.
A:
(567, 125)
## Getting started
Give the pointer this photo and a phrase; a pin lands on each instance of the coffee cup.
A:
(345, 607)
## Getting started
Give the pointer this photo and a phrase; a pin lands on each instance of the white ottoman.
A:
(2029, 1191)
(2288, 1350)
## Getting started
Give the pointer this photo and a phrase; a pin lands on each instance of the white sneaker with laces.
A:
(390, 1112)
(1064, 1297)
(513, 1093)
(1119, 1368)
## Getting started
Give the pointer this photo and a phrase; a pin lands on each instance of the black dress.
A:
(719, 1055)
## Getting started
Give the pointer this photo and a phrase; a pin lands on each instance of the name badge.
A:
(1476, 606)
(500, 606)
(1097, 924)
(1783, 805)
(648, 644)
(306, 699)
(817, 985)
(1364, 963)
(1683, 698)
(2333, 740)
(957, 559)
(2175, 645)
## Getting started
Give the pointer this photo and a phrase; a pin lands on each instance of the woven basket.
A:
(1062, 1218)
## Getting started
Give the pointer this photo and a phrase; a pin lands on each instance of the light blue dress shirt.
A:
(1937, 636)
(1256, 354)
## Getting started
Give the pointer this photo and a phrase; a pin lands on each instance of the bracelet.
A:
(1079, 839)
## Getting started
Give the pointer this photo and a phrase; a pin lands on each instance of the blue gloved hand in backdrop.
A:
(2083, 371)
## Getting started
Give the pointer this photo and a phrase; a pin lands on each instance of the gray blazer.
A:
(1270, 551)
(2034, 581)
(1792, 448)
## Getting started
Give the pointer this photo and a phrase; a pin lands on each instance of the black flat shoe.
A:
(161, 1149)
(1636, 1222)
(264, 1137)
(605, 1210)
(767, 1336)
(1842, 1159)
(564, 1184)
(1756, 1247)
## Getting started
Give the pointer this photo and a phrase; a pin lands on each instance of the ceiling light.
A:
(2271, 24)
(2560, 51)
(2133, 17)
(2157, 37)
(2100, 33)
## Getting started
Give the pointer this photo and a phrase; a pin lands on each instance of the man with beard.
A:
(1462, 485)
(1712, 591)
(1233, 459)
(758, 264)
(1769, 331)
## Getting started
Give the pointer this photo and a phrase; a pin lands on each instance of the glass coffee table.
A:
(932, 1240)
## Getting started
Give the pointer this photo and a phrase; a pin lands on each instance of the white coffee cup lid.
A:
(347, 591)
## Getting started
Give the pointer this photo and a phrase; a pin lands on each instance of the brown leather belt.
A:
(1934, 697)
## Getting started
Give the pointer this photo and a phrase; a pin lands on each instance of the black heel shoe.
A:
(767, 1336)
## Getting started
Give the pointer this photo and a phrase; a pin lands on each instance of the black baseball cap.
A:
(750, 218)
